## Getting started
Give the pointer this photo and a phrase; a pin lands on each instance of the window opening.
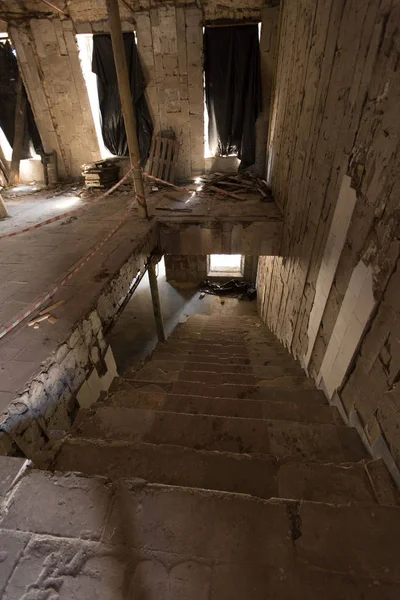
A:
(225, 265)
(85, 46)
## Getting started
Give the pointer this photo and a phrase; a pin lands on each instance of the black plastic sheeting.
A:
(112, 122)
(233, 89)
(230, 289)
(8, 101)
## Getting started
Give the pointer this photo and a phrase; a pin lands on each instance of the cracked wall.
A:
(335, 124)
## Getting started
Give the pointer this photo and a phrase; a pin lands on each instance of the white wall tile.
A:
(333, 249)
(353, 316)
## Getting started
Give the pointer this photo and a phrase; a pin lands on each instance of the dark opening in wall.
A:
(232, 90)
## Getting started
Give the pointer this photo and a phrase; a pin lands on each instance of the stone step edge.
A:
(385, 494)
(280, 460)
(102, 400)
(91, 412)
(322, 402)
(140, 483)
(241, 386)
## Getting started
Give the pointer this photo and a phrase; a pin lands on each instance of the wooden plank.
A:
(224, 193)
(3, 209)
(156, 157)
(168, 164)
(160, 170)
(19, 129)
(163, 161)
(4, 167)
(151, 156)
(175, 160)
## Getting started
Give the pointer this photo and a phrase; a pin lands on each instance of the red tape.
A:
(75, 268)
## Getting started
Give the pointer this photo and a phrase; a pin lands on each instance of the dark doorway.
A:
(233, 89)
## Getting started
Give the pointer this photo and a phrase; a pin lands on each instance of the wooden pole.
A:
(19, 130)
(155, 296)
(128, 113)
(4, 179)
(3, 209)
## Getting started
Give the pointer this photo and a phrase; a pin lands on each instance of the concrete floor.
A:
(134, 336)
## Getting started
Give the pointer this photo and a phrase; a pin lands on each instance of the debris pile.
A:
(233, 288)
(45, 315)
(101, 174)
(236, 185)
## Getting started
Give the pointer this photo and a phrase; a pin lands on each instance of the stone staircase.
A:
(214, 471)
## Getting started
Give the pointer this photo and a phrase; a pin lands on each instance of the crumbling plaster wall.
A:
(335, 130)
(170, 44)
(183, 268)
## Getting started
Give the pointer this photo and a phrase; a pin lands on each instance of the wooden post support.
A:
(4, 175)
(156, 301)
(19, 130)
(3, 209)
(128, 113)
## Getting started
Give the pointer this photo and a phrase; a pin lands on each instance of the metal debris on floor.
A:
(101, 174)
(233, 288)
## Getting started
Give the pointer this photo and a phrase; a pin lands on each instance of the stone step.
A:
(248, 392)
(242, 357)
(163, 354)
(217, 341)
(224, 434)
(241, 392)
(238, 349)
(224, 323)
(228, 407)
(234, 530)
(226, 338)
(258, 475)
(164, 541)
(154, 374)
(266, 372)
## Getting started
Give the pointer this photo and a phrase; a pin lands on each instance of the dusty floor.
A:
(32, 263)
(134, 334)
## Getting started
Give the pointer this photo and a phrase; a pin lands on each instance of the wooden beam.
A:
(19, 130)
(114, 23)
(155, 296)
(3, 209)
(4, 167)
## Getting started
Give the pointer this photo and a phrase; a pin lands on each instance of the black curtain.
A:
(112, 122)
(233, 89)
(8, 101)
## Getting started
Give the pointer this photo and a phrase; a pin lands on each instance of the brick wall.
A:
(182, 268)
(330, 295)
